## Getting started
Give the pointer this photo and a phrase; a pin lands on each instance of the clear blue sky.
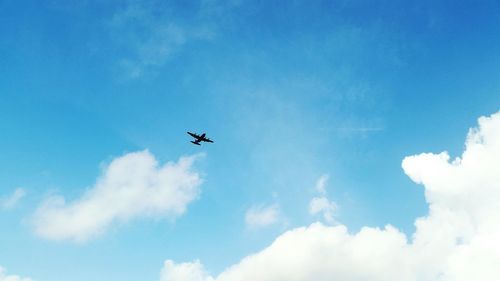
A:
(289, 91)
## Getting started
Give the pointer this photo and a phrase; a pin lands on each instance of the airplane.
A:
(199, 138)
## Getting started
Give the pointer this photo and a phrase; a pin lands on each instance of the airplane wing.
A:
(207, 140)
(193, 135)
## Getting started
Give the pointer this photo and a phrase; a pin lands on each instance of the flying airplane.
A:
(199, 138)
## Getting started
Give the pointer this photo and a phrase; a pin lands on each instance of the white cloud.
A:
(5, 277)
(456, 241)
(190, 271)
(131, 186)
(261, 216)
(11, 201)
(321, 184)
(321, 204)
(324, 206)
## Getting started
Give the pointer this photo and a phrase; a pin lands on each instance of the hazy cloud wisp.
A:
(261, 216)
(150, 33)
(321, 204)
(190, 271)
(12, 200)
(5, 277)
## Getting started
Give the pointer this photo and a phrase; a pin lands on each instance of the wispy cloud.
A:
(189, 271)
(321, 204)
(321, 184)
(12, 200)
(361, 129)
(5, 277)
(150, 34)
(262, 216)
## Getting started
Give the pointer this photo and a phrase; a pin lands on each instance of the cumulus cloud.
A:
(261, 216)
(131, 186)
(456, 241)
(5, 277)
(12, 200)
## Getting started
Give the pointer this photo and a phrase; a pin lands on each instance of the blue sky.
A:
(289, 91)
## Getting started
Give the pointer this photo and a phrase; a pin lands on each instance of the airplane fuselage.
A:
(199, 138)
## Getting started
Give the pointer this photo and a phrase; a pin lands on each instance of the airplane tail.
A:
(197, 143)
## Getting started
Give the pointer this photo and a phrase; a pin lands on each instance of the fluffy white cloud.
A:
(11, 201)
(261, 216)
(131, 186)
(456, 241)
(5, 277)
